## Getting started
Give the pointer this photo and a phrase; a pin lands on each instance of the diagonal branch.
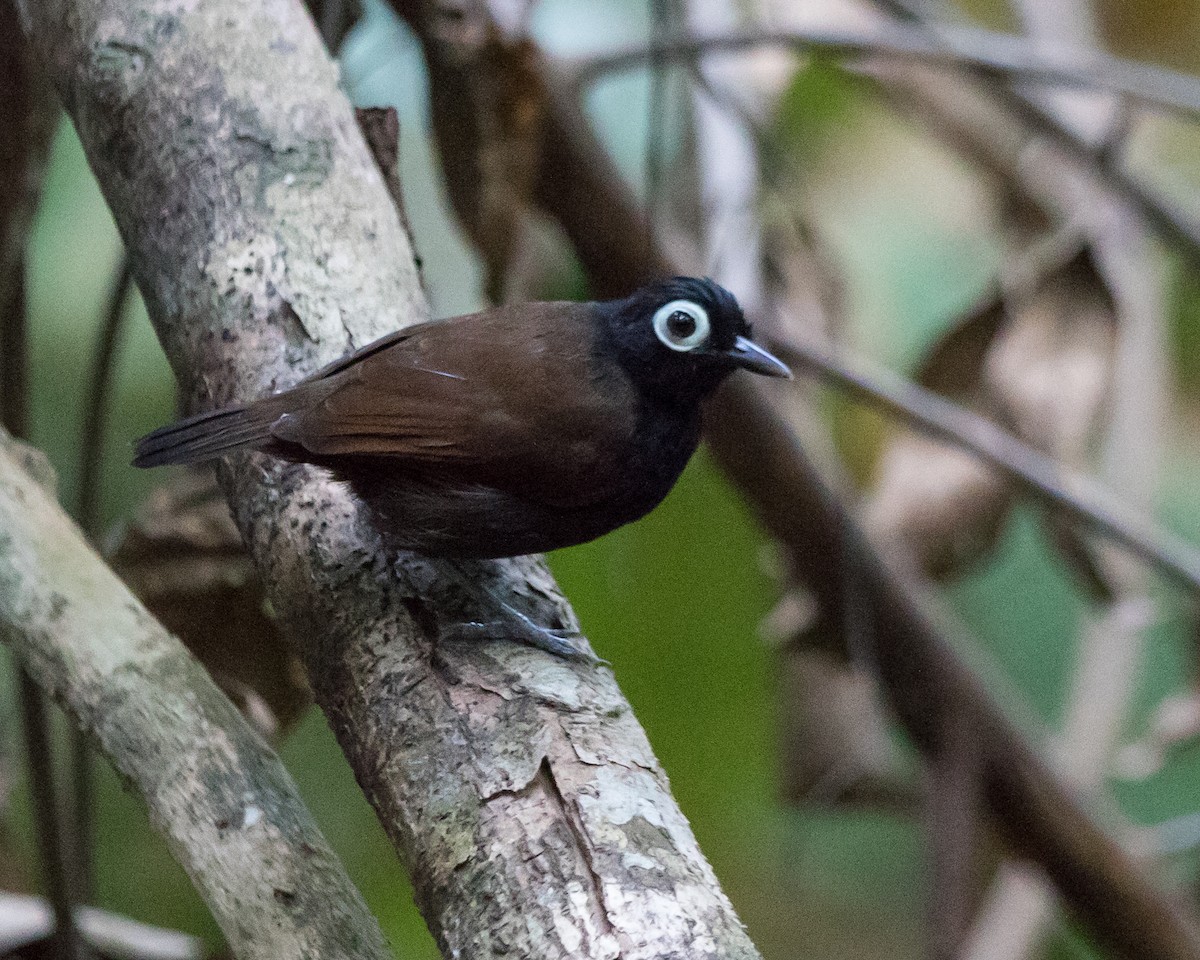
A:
(1174, 224)
(1038, 474)
(927, 683)
(520, 791)
(984, 51)
(96, 402)
(224, 801)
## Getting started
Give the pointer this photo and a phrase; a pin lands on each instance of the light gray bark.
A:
(227, 807)
(520, 790)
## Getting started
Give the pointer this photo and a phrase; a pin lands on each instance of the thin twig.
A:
(953, 809)
(40, 757)
(1167, 219)
(727, 162)
(14, 407)
(97, 400)
(1176, 226)
(984, 51)
(926, 682)
(25, 920)
(1112, 642)
(39, 751)
(1078, 496)
(656, 112)
(91, 451)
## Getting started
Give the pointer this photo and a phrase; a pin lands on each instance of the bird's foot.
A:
(490, 615)
(519, 628)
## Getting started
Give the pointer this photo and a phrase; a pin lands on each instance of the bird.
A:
(516, 430)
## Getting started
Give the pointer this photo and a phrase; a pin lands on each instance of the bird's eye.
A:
(681, 325)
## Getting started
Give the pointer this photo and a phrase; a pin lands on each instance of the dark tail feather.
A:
(207, 436)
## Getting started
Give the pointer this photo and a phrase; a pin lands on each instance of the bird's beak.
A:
(750, 356)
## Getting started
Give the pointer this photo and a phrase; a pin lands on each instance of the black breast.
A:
(439, 516)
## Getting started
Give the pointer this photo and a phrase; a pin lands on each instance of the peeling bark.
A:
(520, 790)
(227, 807)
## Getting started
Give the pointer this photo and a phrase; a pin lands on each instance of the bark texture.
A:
(520, 790)
(227, 807)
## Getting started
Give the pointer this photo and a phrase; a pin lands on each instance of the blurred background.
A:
(861, 218)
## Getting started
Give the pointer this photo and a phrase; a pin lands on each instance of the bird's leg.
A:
(478, 578)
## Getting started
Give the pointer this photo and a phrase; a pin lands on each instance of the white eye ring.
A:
(670, 329)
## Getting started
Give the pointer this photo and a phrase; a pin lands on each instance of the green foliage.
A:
(1185, 328)
(821, 104)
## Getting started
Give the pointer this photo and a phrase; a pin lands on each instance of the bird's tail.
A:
(208, 435)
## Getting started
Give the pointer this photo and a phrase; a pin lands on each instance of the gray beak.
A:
(750, 356)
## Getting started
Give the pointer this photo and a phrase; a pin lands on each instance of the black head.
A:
(680, 338)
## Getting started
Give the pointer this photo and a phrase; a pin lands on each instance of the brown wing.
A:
(515, 397)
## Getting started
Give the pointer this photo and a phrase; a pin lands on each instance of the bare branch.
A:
(925, 680)
(42, 787)
(1113, 639)
(953, 810)
(96, 402)
(224, 801)
(520, 790)
(1006, 105)
(984, 51)
(1078, 496)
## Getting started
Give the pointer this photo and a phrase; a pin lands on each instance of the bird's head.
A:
(679, 338)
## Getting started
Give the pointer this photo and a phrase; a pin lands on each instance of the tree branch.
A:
(520, 790)
(1114, 638)
(927, 683)
(1042, 476)
(226, 805)
(26, 920)
(39, 752)
(1175, 225)
(915, 663)
(984, 51)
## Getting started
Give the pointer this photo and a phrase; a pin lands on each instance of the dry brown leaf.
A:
(803, 281)
(1048, 376)
(491, 161)
(938, 504)
(932, 501)
(1049, 372)
(184, 558)
(380, 127)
